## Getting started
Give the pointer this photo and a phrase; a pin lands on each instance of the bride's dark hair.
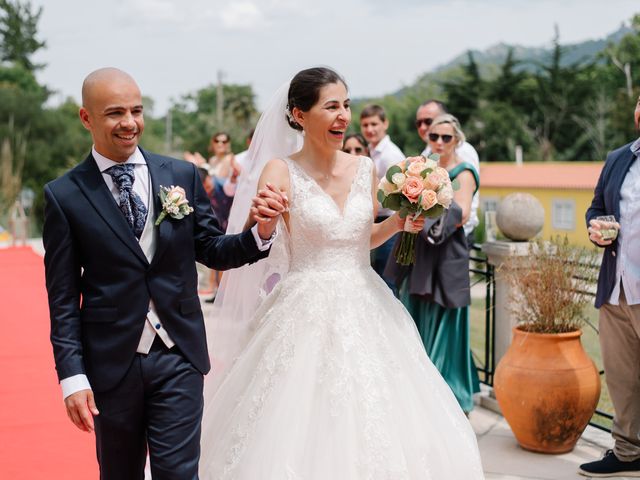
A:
(304, 90)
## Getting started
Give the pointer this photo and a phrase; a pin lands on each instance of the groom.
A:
(126, 324)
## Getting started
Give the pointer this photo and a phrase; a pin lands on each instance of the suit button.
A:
(158, 326)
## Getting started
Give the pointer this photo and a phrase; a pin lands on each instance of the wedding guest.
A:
(384, 153)
(223, 171)
(355, 144)
(618, 298)
(241, 158)
(436, 289)
(425, 115)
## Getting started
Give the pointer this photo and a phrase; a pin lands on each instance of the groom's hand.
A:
(81, 408)
(266, 207)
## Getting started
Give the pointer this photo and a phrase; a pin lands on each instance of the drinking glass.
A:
(608, 228)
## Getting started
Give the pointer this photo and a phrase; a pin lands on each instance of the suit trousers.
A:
(620, 344)
(158, 403)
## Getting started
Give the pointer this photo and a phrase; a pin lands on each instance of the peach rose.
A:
(445, 196)
(431, 164)
(415, 168)
(443, 173)
(177, 195)
(412, 188)
(429, 199)
(433, 181)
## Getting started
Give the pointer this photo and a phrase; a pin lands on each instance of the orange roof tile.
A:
(570, 175)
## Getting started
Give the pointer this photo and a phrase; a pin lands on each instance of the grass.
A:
(589, 341)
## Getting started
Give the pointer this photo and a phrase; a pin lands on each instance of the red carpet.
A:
(37, 440)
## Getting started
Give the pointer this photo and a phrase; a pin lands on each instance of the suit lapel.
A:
(92, 184)
(161, 175)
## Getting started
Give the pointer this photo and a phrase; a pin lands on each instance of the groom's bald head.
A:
(99, 79)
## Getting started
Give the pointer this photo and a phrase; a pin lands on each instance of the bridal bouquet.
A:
(415, 186)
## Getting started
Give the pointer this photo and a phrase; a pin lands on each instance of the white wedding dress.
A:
(335, 383)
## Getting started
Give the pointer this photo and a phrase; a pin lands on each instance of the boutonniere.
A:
(174, 203)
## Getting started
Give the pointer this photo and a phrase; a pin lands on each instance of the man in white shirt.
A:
(384, 153)
(126, 325)
(425, 115)
(617, 194)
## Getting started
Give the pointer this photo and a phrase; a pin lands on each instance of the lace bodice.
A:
(323, 238)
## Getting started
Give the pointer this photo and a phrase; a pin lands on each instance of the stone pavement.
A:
(503, 459)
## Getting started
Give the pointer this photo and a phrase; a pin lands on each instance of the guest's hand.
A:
(236, 170)
(595, 234)
(266, 208)
(81, 408)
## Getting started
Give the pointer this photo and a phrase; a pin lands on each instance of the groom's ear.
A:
(85, 118)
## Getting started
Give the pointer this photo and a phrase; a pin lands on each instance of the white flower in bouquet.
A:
(445, 195)
(398, 179)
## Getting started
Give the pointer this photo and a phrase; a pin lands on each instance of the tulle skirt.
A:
(335, 384)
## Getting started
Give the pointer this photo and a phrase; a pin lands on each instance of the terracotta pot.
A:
(548, 389)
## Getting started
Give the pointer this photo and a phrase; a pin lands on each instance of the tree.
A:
(194, 117)
(464, 94)
(625, 55)
(18, 30)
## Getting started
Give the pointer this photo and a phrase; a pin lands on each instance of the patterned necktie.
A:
(130, 204)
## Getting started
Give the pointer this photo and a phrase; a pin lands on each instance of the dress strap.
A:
(461, 167)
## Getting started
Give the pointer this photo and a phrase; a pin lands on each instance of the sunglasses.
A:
(426, 121)
(221, 141)
(445, 138)
(352, 150)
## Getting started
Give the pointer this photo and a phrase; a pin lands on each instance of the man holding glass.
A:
(614, 223)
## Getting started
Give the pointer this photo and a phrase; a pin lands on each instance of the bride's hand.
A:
(412, 226)
(266, 207)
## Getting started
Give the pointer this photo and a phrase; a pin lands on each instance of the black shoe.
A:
(610, 466)
(210, 300)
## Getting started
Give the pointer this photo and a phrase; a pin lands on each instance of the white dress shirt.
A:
(385, 154)
(148, 240)
(468, 154)
(628, 251)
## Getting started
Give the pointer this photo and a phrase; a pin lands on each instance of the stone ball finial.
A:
(520, 216)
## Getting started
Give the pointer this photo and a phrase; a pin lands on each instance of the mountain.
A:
(529, 56)
(490, 60)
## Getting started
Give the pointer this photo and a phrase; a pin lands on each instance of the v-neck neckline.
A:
(342, 210)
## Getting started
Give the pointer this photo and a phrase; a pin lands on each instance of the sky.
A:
(175, 47)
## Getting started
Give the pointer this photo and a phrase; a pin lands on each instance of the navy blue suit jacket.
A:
(606, 201)
(99, 281)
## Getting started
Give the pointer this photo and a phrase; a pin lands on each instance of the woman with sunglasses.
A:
(355, 144)
(436, 290)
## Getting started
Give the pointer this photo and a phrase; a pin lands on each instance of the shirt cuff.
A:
(263, 245)
(71, 385)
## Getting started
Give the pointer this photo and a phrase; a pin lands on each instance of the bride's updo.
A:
(304, 90)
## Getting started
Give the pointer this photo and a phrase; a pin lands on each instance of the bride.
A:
(333, 382)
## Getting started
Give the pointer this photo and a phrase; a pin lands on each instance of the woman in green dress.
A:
(435, 289)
